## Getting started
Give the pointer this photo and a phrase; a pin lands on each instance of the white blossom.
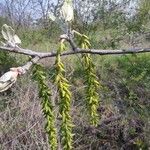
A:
(66, 12)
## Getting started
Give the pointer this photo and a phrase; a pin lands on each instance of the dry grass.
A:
(22, 120)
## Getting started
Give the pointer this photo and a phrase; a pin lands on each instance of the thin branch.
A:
(28, 65)
(77, 51)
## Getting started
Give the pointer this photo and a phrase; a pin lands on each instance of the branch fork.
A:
(9, 35)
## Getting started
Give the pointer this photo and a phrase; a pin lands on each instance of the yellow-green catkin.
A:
(91, 81)
(63, 86)
(47, 107)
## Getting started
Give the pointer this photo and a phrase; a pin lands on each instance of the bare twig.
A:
(36, 56)
(27, 66)
(77, 51)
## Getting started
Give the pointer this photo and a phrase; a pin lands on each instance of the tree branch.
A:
(28, 65)
(77, 51)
